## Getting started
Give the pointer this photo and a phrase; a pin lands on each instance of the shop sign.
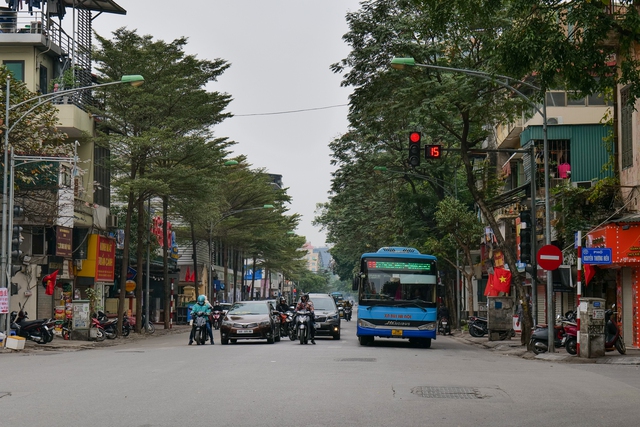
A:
(623, 240)
(64, 242)
(100, 261)
(4, 300)
(106, 256)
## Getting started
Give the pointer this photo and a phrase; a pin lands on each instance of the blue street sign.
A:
(596, 255)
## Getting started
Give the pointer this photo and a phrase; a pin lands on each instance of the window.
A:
(16, 68)
(597, 99)
(556, 99)
(44, 80)
(572, 100)
(626, 143)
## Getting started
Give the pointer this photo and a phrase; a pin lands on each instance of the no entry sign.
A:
(549, 257)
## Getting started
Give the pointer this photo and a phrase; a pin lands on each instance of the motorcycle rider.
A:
(203, 307)
(283, 307)
(306, 304)
(443, 313)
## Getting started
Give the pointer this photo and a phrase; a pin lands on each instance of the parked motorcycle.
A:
(570, 338)
(216, 319)
(613, 339)
(347, 314)
(478, 326)
(444, 328)
(40, 330)
(200, 332)
(100, 334)
(110, 326)
(539, 342)
(126, 326)
(303, 326)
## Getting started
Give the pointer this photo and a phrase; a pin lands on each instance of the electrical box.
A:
(499, 317)
(592, 322)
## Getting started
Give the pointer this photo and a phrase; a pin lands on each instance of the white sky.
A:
(280, 52)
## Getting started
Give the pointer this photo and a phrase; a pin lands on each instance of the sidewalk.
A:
(60, 345)
(513, 347)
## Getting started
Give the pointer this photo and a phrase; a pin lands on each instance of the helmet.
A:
(283, 300)
(305, 297)
(201, 299)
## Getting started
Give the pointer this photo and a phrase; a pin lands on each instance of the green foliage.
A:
(583, 209)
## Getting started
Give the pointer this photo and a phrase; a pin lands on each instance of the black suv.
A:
(327, 315)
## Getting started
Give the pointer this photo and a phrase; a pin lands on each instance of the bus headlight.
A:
(365, 324)
(427, 327)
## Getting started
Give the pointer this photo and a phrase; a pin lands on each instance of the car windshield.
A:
(325, 304)
(248, 308)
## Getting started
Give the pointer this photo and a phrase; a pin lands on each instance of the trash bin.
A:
(499, 317)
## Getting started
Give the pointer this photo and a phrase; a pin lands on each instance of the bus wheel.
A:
(425, 343)
(365, 340)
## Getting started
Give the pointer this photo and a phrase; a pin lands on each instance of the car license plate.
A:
(245, 331)
(396, 332)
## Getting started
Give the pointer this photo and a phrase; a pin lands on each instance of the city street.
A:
(161, 381)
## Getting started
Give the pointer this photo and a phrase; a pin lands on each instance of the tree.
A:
(171, 107)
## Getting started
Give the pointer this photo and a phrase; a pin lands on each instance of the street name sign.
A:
(596, 255)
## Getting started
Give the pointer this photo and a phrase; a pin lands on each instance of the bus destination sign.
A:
(398, 265)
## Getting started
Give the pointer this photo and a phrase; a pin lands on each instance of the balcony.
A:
(508, 134)
(33, 29)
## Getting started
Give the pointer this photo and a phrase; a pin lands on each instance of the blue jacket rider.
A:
(201, 307)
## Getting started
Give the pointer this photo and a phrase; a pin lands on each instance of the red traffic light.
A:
(415, 137)
(432, 151)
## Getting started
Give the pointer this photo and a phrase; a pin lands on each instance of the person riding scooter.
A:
(283, 307)
(306, 304)
(201, 307)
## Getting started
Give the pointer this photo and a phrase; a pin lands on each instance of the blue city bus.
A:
(397, 296)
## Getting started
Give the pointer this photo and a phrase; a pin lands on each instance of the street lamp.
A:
(504, 81)
(134, 80)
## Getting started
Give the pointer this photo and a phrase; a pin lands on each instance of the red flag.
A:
(187, 275)
(502, 280)
(49, 282)
(589, 272)
(489, 290)
(193, 276)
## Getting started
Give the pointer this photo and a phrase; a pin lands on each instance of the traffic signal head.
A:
(433, 151)
(16, 240)
(414, 148)
(526, 234)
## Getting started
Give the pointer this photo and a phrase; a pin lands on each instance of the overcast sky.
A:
(280, 52)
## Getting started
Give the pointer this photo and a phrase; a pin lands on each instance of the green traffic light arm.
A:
(433, 180)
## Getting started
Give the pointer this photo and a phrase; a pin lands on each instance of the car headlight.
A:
(332, 316)
(226, 323)
(266, 323)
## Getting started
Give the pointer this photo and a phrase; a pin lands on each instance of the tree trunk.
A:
(225, 261)
(165, 264)
(195, 259)
(140, 231)
(125, 262)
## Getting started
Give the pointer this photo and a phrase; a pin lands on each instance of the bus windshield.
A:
(397, 280)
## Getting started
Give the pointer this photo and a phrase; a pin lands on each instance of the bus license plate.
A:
(396, 332)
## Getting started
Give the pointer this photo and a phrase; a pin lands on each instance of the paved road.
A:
(163, 382)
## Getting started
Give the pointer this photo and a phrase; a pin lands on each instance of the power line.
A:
(290, 111)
